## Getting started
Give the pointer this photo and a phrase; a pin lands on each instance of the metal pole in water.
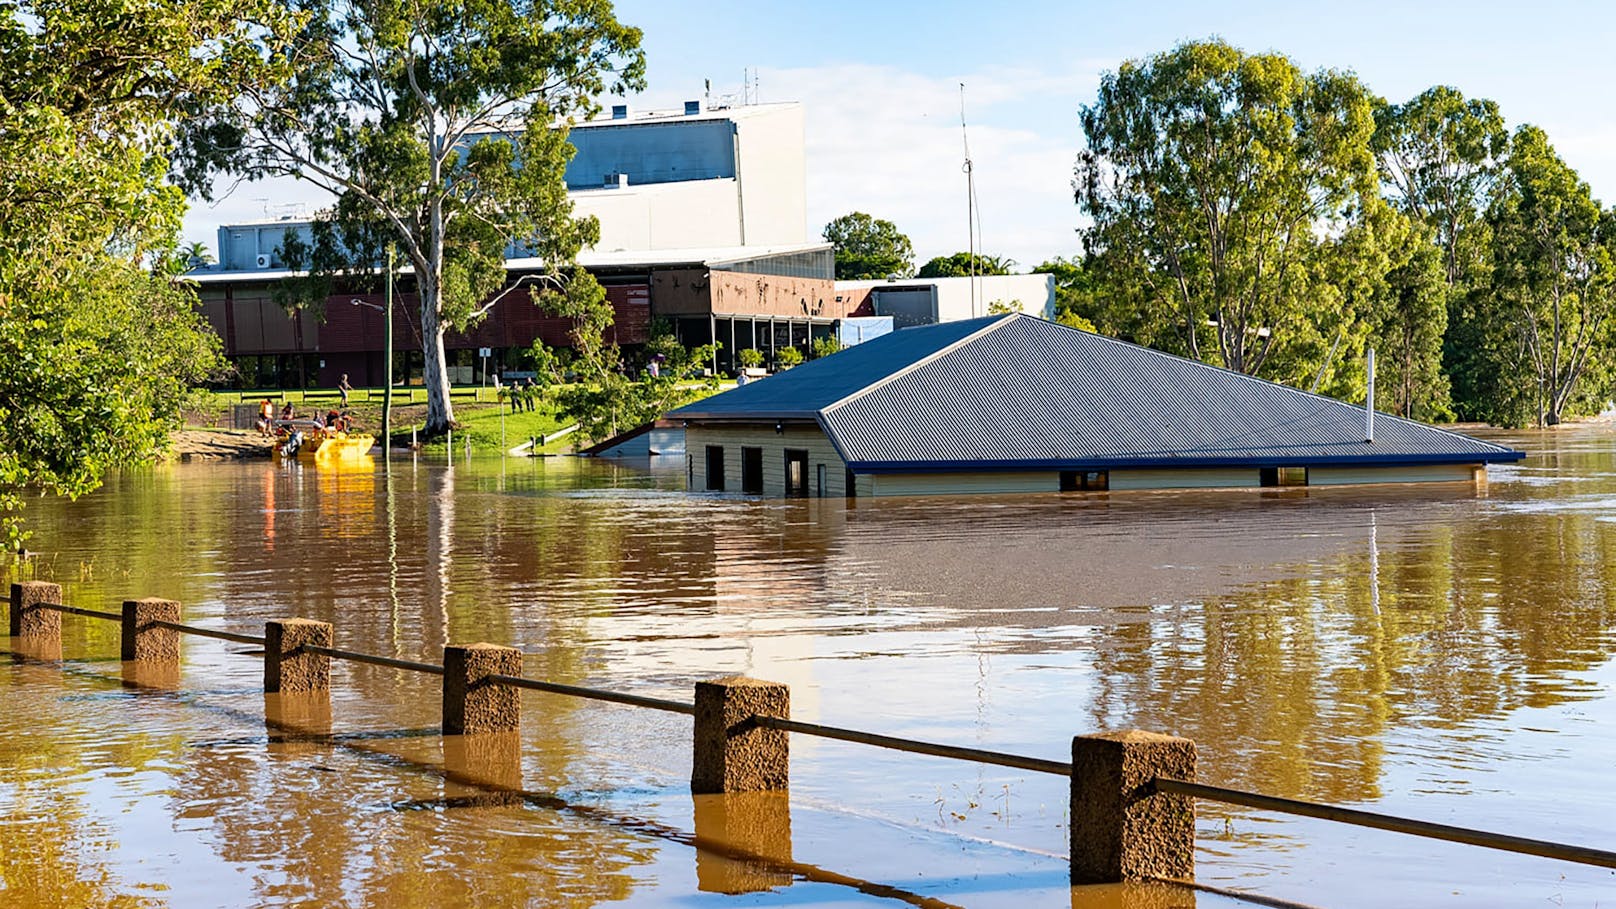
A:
(1369, 401)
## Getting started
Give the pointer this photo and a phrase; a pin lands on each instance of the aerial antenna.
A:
(973, 226)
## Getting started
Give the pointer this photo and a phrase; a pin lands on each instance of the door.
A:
(796, 472)
(752, 471)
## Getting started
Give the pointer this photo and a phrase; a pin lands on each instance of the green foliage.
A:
(825, 345)
(750, 357)
(1002, 308)
(868, 247)
(1073, 320)
(788, 357)
(97, 349)
(548, 365)
(959, 266)
(1078, 304)
(1552, 271)
(602, 400)
(1229, 196)
(432, 124)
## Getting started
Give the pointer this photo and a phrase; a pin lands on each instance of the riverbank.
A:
(216, 445)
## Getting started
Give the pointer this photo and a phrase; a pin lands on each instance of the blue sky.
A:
(880, 82)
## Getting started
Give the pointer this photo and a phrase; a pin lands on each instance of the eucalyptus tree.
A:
(1440, 155)
(438, 126)
(1229, 195)
(1553, 273)
(98, 343)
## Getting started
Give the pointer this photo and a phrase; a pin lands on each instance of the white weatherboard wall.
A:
(774, 445)
(1413, 473)
(1185, 479)
(931, 484)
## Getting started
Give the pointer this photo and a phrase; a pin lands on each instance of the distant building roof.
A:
(702, 257)
(1017, 392)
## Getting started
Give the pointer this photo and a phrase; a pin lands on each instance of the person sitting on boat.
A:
(288, 412)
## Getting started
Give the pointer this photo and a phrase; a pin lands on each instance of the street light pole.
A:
(387, 354)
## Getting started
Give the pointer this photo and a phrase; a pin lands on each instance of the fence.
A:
(1132, 793)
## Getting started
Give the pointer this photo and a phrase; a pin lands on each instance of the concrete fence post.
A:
(1121, 828)
(733, 754)
(288, 671)
(471, 706)
(27, 618)
(143, 641)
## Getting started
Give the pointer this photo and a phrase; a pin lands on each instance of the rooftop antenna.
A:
(972, 223)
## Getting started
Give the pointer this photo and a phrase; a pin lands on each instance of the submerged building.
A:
(1010, 404)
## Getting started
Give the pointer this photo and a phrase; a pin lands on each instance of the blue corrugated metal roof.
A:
(803, 391)
(1024, 393)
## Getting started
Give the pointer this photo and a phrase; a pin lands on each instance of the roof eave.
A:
(751, 416)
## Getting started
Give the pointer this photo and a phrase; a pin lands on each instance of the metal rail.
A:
(356, 657)
(1582, 855)
(1504, 842)
(594, 694)
(210, 633)
(74, 610)
(1037, 765)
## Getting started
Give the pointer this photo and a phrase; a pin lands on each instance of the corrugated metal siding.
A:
(817, 384)
(1029, 391)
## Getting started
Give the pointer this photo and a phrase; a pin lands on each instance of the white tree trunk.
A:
(439, 409)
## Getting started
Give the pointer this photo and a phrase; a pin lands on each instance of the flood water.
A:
(1438, 652)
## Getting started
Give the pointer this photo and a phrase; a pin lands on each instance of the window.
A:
(1085, 480)
(715, 468)
(752, 471)
(796, 472)
(1284, 476)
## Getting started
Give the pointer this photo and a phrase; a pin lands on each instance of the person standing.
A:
(343, 387)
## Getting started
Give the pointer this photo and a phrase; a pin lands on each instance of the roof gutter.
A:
(1376, 460)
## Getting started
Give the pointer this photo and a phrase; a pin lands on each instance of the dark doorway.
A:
(715, 468)
(852, 487)
(796, 472)
(1283, 476)
(752, 471)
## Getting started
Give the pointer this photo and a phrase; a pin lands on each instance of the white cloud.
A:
(887, 141)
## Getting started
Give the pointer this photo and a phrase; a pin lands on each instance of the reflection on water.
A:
(1441, 652)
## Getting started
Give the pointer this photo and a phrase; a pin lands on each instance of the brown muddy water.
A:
(1437, 652)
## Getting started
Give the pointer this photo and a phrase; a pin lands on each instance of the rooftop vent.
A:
(619, 111)
(692, 108)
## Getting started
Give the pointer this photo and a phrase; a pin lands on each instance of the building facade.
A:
(703, 224)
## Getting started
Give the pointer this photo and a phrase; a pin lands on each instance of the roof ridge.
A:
(900, 373)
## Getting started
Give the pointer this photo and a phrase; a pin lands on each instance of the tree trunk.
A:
(439, 409)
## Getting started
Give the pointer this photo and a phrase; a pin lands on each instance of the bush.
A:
(788, 357)
(751, 358)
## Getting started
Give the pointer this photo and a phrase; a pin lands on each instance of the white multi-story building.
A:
(699, 178)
